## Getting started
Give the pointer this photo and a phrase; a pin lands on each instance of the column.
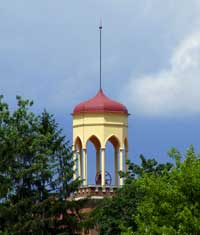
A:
(85, 167)
(121, 165)
(74, 161)
(97, 161)
(126, 156)
(80, 164)
(116, 166)
(103, 167)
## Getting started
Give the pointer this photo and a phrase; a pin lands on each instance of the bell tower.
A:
(100, 120)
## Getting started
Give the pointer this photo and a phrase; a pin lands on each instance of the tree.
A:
(171, 203)
(156, 199)
(113, 215)
(35, 174)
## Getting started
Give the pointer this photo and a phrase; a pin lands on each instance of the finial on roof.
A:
(100, 29)
(100, 25)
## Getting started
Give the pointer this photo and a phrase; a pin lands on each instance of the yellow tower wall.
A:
(101, 125)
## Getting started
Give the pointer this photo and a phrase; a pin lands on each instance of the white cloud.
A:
(171, 92)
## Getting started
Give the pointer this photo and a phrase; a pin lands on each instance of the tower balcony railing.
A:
(93, 191)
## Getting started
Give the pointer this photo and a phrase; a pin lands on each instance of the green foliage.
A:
(171, 203)
(126, 231)
(115, 214)
(35, 174)
(111, 212)
(148, 166)
(157, 199)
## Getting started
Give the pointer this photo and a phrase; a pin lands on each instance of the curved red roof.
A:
(100, 104)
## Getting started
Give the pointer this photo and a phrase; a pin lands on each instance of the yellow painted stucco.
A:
(99, 128)
(101, 125)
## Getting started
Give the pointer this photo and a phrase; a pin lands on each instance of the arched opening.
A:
(78, 143)
(112, 158)
(114, 141)
(78, 148)
(93, 146)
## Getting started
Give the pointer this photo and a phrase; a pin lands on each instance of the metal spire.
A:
(100, 29)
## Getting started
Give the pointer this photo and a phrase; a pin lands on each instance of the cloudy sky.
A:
(49, 52)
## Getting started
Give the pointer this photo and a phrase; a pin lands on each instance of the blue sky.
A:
(151, 63)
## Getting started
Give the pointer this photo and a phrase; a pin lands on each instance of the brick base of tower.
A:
(93, 193)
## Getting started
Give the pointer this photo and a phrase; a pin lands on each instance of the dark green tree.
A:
(36, 171)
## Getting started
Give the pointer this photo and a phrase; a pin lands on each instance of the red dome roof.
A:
(100, 104)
